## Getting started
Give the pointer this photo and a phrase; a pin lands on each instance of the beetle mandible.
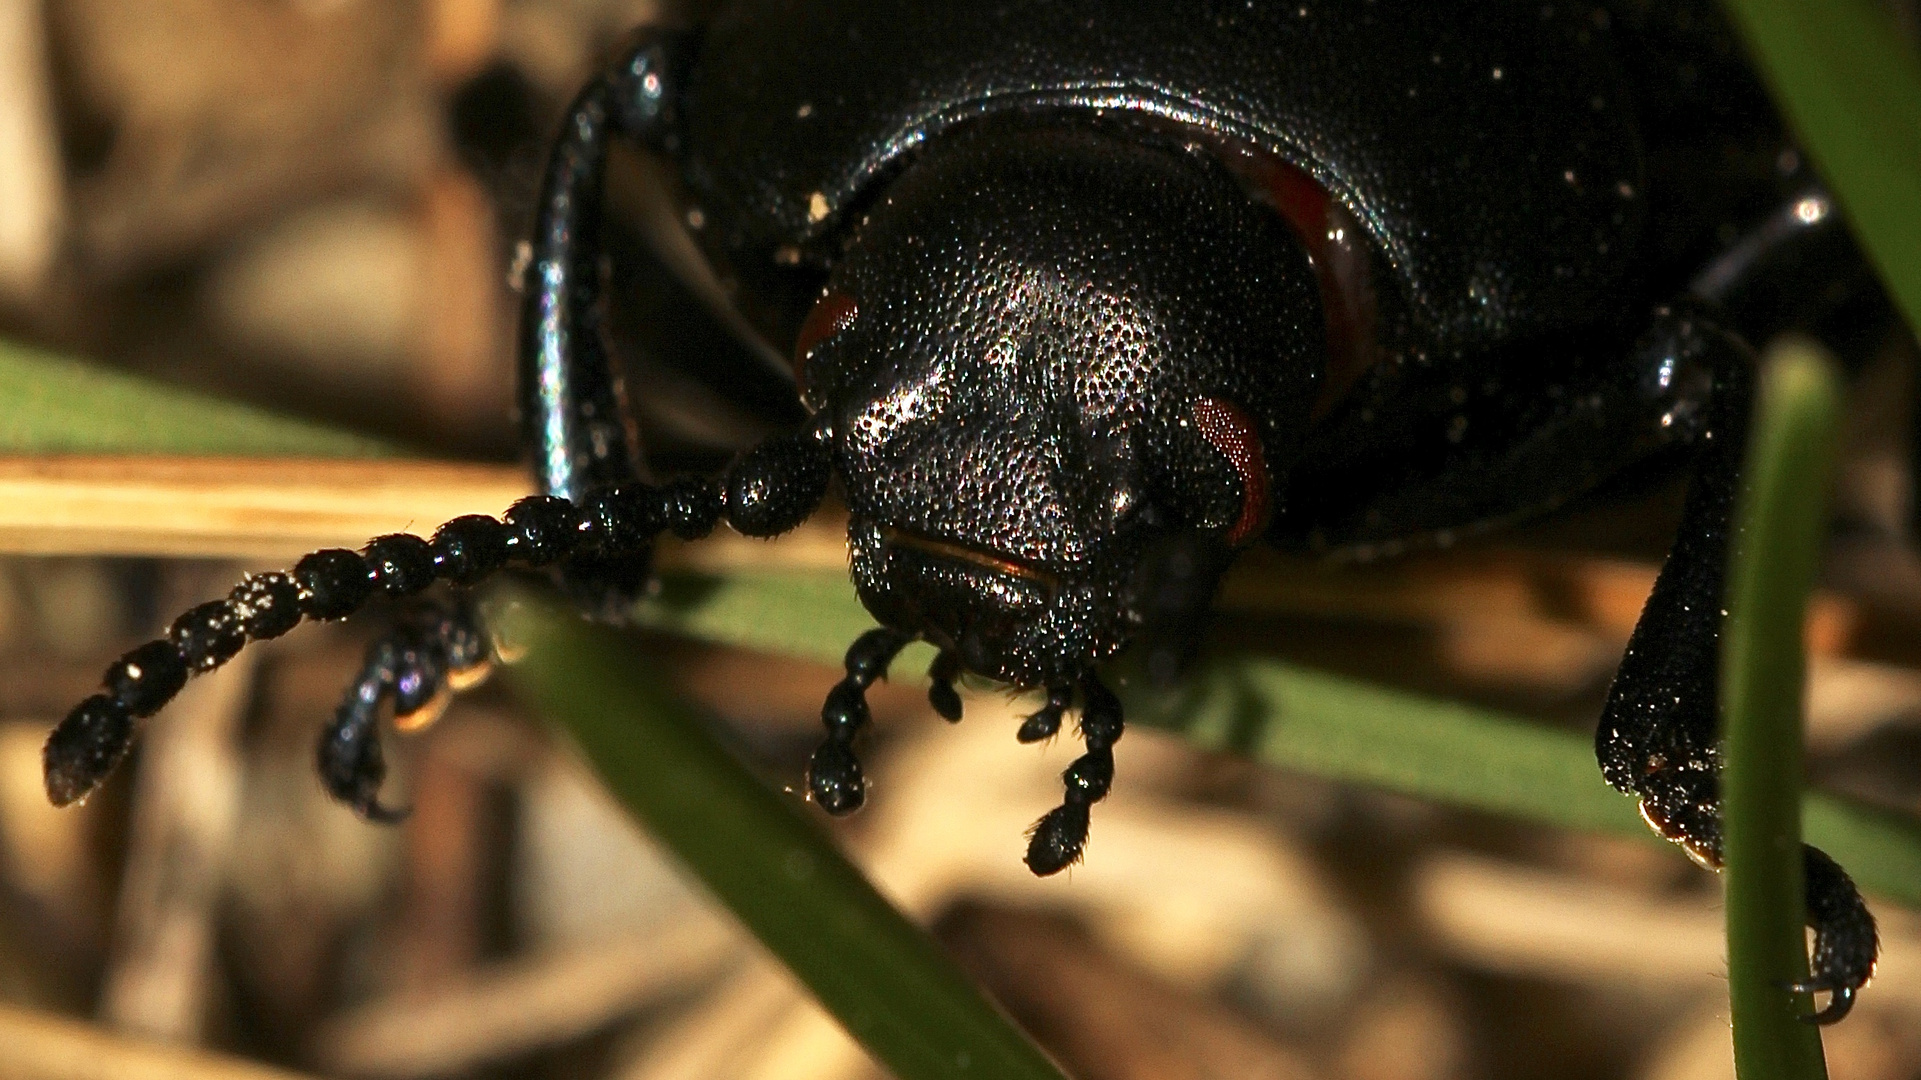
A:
(1083, 296)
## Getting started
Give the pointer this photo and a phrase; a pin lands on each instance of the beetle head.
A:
(1046, 347)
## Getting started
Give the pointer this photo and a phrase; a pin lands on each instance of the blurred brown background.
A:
(313, 205)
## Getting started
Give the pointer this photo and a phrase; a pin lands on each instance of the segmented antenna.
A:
(768, 490)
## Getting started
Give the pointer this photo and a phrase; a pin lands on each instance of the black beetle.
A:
(1083, 295)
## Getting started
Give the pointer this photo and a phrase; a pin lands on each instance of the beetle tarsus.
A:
(431, 651)
(834, 774)
(1840, 1003)
(1659, 732)
(351, 764)
(1044, 723)
(1057, 839)
(1845, 941)
(940, 687)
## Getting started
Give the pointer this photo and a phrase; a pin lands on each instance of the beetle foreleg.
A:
(1057, 839)
(1659, 733)
(940, 688)
(570, 395)
(572, 404)
(1845, 941)
(1043, 724)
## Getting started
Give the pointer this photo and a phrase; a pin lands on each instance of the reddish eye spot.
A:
(1229, 429)
(832, 314)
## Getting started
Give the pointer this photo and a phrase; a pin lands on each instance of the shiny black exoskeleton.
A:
(1084, 295)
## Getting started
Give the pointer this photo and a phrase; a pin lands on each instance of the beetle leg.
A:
(940, 688)
(1658, 732)
(834, 774)
(1057, 839)
(1042, 725)
(430, 653)
(451, 653)
(572, 404)
(442, 651)
(570, 395)
(1793, 270)
(351, 764)
(1658, 736)
(1845, 942)
(349, 757)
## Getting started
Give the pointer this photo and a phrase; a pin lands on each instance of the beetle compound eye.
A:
(1229, 429)
(832, 314)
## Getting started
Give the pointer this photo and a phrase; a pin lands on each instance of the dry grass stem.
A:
(1501, 917)
(228, 112)
(282, 508)
(727, 1026)
(1107, 1020)
(42, 1047)
(1573, 611)
(260, 508)
(494, 1013)
(1497, 915)
(30, 166)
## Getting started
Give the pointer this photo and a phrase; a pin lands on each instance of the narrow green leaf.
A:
(53, 405)
(812, 615)
(1850, 84)
(886, 981)
(1782, 521)
(1312, 722)
(1348, 730)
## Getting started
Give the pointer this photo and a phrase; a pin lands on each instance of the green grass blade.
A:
(1782, 522)
(886, 981)
(1348, 730)
(53, 405)
(1312, 722)
(1850, 85)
